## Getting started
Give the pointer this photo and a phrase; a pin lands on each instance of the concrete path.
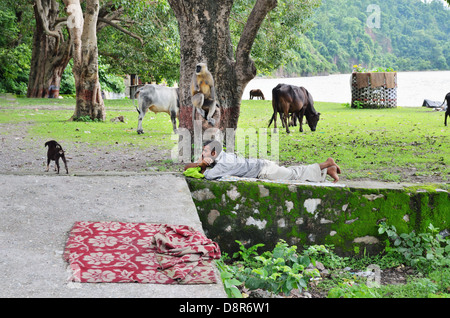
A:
(38, 211)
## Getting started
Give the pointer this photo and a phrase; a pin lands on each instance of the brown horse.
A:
(290, 99)
(257, 93)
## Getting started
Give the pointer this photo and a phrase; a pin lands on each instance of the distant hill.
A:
(406, 35)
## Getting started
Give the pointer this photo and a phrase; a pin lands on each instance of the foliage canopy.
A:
(408, 35)
(305, 37)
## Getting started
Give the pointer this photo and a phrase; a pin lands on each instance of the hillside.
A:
(406, 35)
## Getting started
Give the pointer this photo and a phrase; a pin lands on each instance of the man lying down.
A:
(223, 164)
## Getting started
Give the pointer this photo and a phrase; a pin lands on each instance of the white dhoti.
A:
(312, 173)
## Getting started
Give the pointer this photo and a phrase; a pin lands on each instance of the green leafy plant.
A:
(360, 69)
(350, 289)
(247, 255)
(424, 251)
(325, 255)
(279, 271)
(442, 279)
(282, 269)
(227, 275)
(358, 104)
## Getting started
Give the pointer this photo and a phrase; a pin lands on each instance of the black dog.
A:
(55, 152)
(447, 112)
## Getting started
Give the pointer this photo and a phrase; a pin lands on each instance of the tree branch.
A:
(45, 24)
(110, 12)
(119, 57)
(254, 21)
(121, 29)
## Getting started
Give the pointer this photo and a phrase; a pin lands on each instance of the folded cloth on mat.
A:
(182, 248)
(140, 252)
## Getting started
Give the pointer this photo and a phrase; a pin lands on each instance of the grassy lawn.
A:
(49, 123)
(383, 144)
(380, 144)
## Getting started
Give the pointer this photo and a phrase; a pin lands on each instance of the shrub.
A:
(424, 251)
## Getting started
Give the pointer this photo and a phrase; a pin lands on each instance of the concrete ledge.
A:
(347, 217)
(37, 212)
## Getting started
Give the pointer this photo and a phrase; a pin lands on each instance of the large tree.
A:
(83, 28)
(205, 37)
(204, 27)
(51, 52)
(83, 35)
(53, 48)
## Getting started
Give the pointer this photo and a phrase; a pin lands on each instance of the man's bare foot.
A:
(333, 172)
(330, 161)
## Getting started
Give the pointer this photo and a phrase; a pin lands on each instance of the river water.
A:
(413, 87)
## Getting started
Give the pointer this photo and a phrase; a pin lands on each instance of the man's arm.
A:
(203, 164)
(193, 164)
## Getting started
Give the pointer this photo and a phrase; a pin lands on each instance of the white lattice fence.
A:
(374, 90)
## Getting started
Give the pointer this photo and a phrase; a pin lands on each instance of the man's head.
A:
(211, 149)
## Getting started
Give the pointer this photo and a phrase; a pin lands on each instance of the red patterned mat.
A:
(117, 252)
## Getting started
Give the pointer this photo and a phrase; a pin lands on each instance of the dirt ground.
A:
(24, 154)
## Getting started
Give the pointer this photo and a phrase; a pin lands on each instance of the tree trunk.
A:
(205, 37)
(51, 53)
(83, 32)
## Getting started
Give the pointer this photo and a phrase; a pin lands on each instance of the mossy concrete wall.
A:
(348, 218)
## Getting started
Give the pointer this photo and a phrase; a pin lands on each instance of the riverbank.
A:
(413, 87)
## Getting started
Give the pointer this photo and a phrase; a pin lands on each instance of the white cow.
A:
(158, 99)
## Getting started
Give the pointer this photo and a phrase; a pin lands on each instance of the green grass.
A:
(382, 144)
(376, 144)
(54, 123)
(10, 100)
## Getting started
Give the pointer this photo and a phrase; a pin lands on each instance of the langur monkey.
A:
(203, 92)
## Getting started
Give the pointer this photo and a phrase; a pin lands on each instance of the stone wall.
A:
(348, 218)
